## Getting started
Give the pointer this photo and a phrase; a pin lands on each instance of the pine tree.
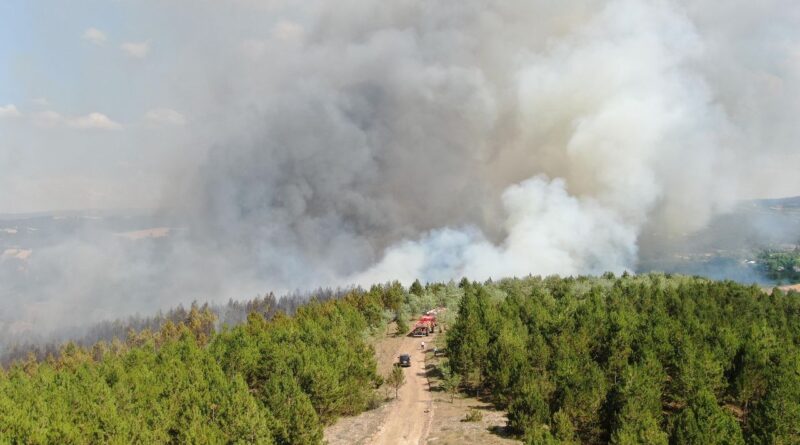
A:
(401, 319)
(776, 418)
(450, 384)
(704, 422)
(416, 288)
(396, 379)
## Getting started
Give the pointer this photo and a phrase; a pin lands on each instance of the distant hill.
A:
(728, 247)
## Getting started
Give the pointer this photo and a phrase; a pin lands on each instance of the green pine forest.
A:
(635, 360)
(261, 382)
(650, 359)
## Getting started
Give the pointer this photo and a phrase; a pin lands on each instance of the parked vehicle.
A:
(425, 326)
(405, 360)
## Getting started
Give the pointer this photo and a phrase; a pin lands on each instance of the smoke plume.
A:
(433, 141)
(357, 141)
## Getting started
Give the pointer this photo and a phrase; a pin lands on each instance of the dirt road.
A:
(409, 417)
(410, 420)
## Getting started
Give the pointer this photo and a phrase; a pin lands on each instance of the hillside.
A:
(636, 359)
(276, 381)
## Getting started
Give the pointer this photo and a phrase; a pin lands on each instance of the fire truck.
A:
(425, 325)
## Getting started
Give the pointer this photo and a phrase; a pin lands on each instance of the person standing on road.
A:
(423, 345)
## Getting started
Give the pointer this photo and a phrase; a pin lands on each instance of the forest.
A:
(33, 342)
(262, 381)
(650, 359)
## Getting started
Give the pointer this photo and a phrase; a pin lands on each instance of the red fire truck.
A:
(425, 326)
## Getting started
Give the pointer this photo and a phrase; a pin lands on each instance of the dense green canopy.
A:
(635, 360)
(650, 359)
(276, 381)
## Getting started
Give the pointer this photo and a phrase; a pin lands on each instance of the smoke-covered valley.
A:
(347, 143)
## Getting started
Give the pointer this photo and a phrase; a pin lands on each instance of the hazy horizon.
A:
(319, 144)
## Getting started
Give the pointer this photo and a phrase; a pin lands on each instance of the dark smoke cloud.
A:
(359, 141)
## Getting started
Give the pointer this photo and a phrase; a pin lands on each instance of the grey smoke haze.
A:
(335, 143)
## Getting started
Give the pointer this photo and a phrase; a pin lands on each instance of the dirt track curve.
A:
(409, 417)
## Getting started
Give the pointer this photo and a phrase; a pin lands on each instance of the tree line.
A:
(41, 344)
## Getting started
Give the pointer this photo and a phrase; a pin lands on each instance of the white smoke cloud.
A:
(549, 232)
(288, 31)
(359, 141)
(398, 136)
(615, 111)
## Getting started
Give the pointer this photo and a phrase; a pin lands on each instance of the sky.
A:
(320, 143)
(89, 117)
(101, 97)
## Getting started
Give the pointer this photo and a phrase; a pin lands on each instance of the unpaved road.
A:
(409, 417)
(405, 420)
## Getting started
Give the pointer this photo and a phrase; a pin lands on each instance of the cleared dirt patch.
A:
(794, 287)
(358, 430)
(448, 426)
